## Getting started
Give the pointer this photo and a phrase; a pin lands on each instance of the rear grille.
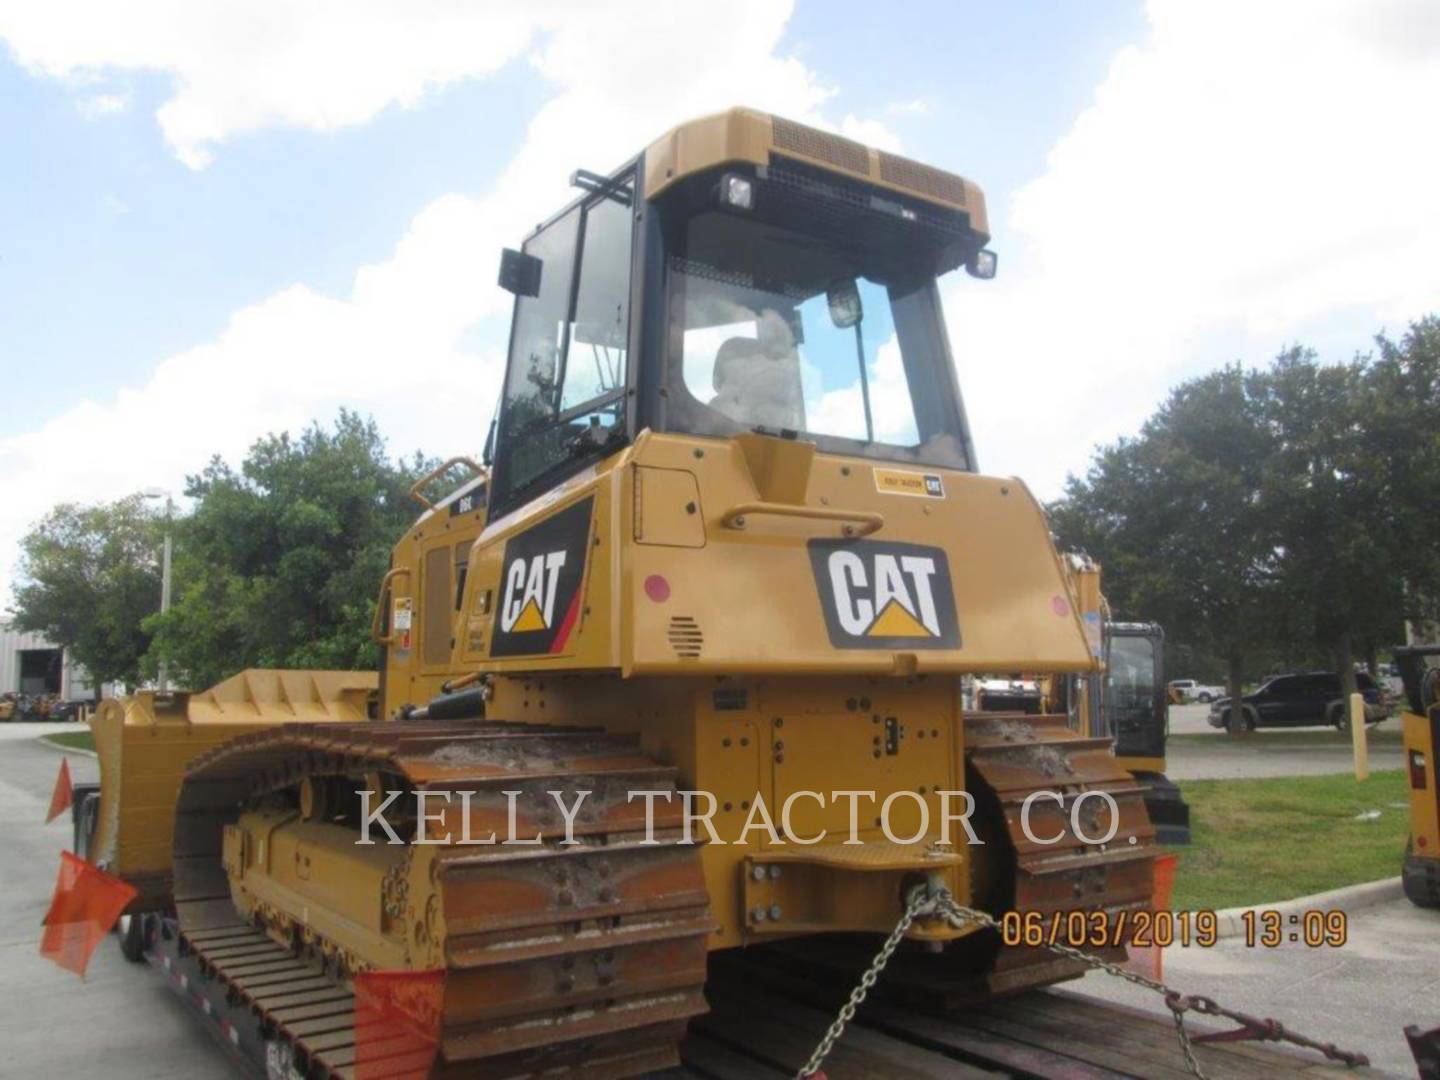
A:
(838, 151)
(922, 178)
(839, 197)
(685, 637)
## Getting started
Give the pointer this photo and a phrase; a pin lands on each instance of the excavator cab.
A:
(1135, 713)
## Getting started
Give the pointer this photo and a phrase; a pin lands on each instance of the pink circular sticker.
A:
(657, 588)
(1060, 606)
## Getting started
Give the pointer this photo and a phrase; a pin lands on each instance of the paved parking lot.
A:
(1199, 752)
(121, 1022)
(1358, 996)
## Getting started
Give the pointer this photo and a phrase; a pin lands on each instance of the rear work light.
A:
(737, 191)
(1417, 770)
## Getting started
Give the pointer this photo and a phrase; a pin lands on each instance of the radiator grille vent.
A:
(922, 178)
(840, 152)
(685, 637)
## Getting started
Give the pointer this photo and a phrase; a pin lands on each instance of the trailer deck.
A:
(770, 1005)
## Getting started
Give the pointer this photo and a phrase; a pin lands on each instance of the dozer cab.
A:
(691, 680)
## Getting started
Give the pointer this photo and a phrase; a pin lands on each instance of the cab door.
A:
(1134, 700)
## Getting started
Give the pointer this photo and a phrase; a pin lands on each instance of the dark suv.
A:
(1300, 700)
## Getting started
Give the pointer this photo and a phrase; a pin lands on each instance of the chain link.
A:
(918, 902)
(958, 915)
(935, 901)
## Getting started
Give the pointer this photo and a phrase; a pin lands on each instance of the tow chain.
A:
(934, 901)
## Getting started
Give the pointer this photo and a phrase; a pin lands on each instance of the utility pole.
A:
(162, 682)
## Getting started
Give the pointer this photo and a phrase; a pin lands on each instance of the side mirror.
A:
(520, 273)
(488, 457)
(982, 264)
(844, 299)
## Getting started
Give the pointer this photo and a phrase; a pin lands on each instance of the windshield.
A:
(1130, 681)
(784, 332)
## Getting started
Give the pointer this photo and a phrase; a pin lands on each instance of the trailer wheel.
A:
(131, 929)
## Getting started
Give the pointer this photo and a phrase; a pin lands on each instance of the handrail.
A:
(439, 470)
(857, 522)
(380, 606)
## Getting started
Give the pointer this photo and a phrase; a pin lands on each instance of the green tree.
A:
(1178, 518)
(278, 563)
(1403, 449)
(1340, 566)
(89, 575)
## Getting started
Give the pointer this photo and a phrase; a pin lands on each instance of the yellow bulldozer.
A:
(677, 671)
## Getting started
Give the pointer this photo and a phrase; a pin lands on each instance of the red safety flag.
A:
(397, 1023)
(1149, 959)
(61, 797)
(86, 903)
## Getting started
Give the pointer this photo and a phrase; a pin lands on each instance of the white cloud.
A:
(100, 105)
(419, 339)
(1251, 174)
(242, 65)
(870, 132)
(915, 107)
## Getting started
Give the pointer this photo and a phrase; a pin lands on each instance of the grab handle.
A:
(375, 634)
(853, 522)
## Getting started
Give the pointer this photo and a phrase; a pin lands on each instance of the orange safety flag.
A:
(86, 903)
(1148, 959)
(397, 1023)
(61, 798)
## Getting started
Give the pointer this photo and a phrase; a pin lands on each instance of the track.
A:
(586, 959)
(1011, 756)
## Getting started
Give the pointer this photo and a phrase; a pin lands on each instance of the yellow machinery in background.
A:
(1125, 700)
(1420, 871)
(733, 542)
(1128, 700)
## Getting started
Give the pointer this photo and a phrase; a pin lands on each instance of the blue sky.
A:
(219, 219)
(115, 253)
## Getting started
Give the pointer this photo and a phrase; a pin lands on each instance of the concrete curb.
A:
(1349, 898)
(62, 749)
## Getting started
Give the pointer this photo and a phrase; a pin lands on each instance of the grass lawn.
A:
(72, 740)
(1261, 841)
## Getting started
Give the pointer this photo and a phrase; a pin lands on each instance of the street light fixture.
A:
(162, 682)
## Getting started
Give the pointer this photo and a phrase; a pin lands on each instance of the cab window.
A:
(565, 387)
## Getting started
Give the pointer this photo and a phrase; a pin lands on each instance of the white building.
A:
(31, 665)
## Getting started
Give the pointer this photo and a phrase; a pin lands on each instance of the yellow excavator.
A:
(1126, 701)
(730, 539)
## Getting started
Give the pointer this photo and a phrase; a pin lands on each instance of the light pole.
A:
(156, 493)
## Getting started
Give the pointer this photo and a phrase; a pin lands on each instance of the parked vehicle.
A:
(1189, 691)
(1301, 700)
